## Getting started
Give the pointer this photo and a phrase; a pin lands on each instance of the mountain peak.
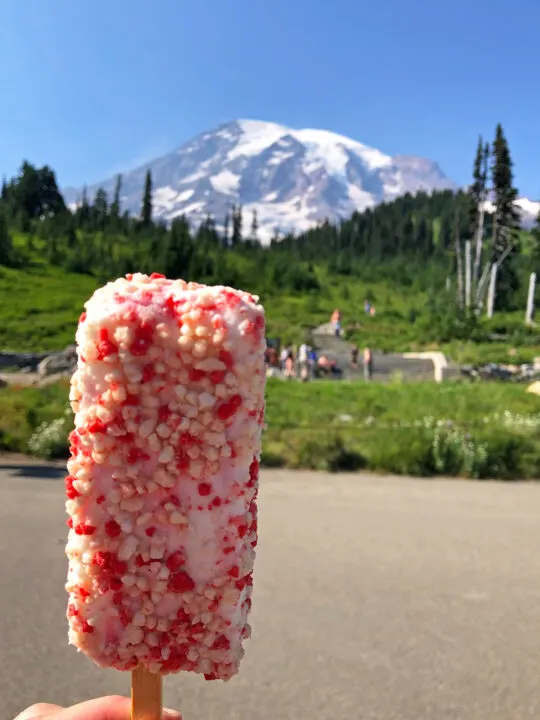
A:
(293, 178)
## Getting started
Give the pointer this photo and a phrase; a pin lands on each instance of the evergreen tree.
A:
(236, 236)
(505, 194)
(478, 189)
(115, 205)
(6, 247)
(146, 209)
(226, 229)
(505, 221)
(100, 211)
(179, 249)
(83, 211)
(254, 227)
(35, 192)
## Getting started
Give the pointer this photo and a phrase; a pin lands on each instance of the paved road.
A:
(375, 598)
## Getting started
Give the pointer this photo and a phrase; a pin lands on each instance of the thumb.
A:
(112, 707)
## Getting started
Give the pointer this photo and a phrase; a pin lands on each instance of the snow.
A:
(325, 141)
(193, 208)
(529, 207)
(256, 137)
(212, 182)
(193, 177)
(360, 198)
(167, 198)
(332, 158)
(279, 157)
(324, 149)
(225, 182)
(183, 196)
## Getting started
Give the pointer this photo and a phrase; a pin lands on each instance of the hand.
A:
(112, 707)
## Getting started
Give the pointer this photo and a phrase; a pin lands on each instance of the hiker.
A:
(368, 364)
(283, 357)
(303, 352)
(289, 363)
(336, 322)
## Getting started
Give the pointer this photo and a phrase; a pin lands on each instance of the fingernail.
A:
(169, 714)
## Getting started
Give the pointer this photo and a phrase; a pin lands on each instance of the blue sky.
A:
(93, 88)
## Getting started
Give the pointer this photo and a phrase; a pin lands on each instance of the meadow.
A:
(40, 305)
(423, 429)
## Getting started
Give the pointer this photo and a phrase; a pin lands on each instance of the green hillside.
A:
(405, 257)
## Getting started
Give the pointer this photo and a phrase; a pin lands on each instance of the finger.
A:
(38, 711)
(112, 707)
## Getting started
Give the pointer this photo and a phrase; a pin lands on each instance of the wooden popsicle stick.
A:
(146, 695)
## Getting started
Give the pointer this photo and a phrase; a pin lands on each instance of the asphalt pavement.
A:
(375, 598)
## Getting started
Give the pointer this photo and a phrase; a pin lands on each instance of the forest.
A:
(417, 241)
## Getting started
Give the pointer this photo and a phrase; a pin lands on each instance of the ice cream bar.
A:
(168, 399)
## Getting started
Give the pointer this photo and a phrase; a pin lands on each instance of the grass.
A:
(39, 308)
(419, 429)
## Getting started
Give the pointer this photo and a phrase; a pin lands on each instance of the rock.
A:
(63, 362)
(21, 360)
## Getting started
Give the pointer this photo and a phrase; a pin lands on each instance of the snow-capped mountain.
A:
(528, 209)
(293, 178)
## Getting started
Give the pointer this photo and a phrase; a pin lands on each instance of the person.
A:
(367, 306)
(336, 322)
(312, 362)
(283, 357)
(289, 362)
(303, 352)
(368, 364)
(112, 707)
(354, 356)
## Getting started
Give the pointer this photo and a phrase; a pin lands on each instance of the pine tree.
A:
(83, 211)
(254, 227)
(146, 209)
(115, 205)
(100, 210)
(505, 194)
(505, 221)
(226, 229)
(6, 247)
(236, 237)
(478, 189)
(179, 249)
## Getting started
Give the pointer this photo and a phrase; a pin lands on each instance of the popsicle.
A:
(162, 488)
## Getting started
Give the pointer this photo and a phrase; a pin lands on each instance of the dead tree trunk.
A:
(492, 290)
(529, 313)
(459, 266)
(479, 243)
(468, 274)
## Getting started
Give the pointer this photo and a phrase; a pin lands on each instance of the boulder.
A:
(20, 360)
(59, 363)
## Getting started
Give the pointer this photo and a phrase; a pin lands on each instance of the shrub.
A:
(455, 452)
(403, 451)
(326, 454)
(50, 440)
